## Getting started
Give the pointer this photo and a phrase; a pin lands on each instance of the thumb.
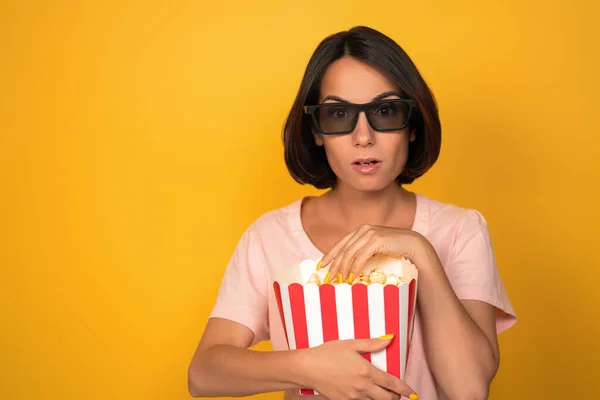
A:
(372, 345)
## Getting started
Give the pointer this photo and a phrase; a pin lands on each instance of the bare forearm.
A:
(227, 371)
(461, 356)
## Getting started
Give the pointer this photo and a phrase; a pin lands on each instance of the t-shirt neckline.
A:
(312, 252)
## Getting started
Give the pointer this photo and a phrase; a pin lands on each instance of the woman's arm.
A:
(222, 358)
(459, 337)
(223, 367)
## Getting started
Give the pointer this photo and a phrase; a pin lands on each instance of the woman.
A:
(363, 124)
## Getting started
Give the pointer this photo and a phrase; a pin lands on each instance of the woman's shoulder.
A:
(442, 214)
(277, 235)
(285, 217)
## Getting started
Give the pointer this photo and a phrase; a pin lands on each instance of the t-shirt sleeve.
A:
(243, 294)
(472, 269)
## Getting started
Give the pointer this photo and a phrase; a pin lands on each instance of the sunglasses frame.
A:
(312, 111)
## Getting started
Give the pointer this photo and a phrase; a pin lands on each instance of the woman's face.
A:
(364, 159)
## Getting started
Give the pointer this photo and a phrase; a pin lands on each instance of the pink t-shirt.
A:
(278, 240)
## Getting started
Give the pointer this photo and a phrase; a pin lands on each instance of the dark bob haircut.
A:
(306, 161)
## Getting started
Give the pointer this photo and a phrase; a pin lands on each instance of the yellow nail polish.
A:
(389, 336)
(350, 277)
(339, 278)
(327, 277)
(319, 264)
(413, 397)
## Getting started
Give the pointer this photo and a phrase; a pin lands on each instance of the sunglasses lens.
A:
(388, 115)
(336, 118)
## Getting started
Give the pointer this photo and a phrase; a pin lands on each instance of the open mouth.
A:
(366, 162)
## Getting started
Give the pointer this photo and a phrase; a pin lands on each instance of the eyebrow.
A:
(376, 98)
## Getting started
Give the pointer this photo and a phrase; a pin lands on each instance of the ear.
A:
(413, 135)
(318, 138)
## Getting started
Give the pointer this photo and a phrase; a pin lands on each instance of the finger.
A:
(334, 268)
(335, 249)
(364, 254)
(391, 383)
(379, 393)
(393, 395)
(350, 253)
(370, 345)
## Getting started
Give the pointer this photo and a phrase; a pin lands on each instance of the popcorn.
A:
(377, 276)
(379, 300)
(393, 279)
(362, 278)
(314, 278)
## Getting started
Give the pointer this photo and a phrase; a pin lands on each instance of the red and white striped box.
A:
(314, 314)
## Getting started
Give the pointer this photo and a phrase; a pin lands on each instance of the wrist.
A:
(425, 257)
(300, 368)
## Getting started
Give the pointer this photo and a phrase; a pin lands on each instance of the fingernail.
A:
(319, 264)
(339, 277)
(389, 336)
(413, 397)
(350, 277)
(327, 277)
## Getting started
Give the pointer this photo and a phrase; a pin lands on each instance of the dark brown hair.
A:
(307, 162)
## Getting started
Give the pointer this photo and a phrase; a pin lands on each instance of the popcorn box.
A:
(313, 313)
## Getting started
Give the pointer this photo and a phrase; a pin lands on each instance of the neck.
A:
(372, 208)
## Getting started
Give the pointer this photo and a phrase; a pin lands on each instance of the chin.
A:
(372, 186)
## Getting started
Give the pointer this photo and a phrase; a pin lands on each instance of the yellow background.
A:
(139, 139)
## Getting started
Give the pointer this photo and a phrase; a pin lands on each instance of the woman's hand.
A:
(350, 254)
(338, 371)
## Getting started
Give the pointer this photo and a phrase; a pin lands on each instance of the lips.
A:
(366, 161)
(366, 166)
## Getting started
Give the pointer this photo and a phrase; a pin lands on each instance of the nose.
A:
(363, 135)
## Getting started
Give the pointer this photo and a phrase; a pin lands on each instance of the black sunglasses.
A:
(341, 118)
